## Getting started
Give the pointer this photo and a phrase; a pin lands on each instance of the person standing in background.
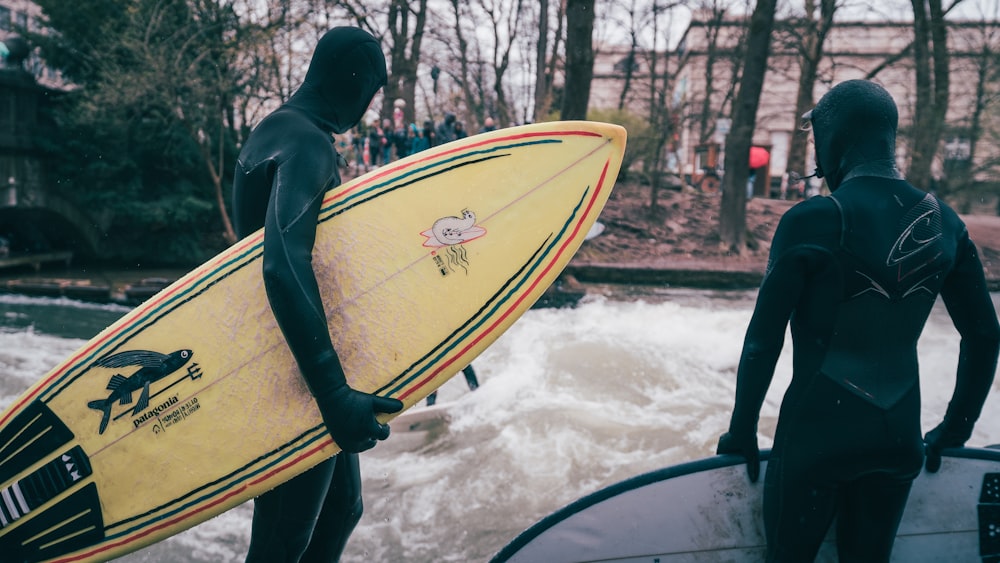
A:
(358, 145)
(387, 141)
(488, 126)
(376, 139)
(445, 130)
(856, 275)
(418, 141)
(430, 135)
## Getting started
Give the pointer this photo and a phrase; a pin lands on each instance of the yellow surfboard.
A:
(192, 404)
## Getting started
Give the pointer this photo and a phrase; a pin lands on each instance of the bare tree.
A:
(969, 148)
(461, 11)
(986, 68)
(546, 60)
(400, 25)
(189, 74)
(633, 24)
(482, 76)
(505, 22)
(407, 21)
(716, 11)
(903, 53)
(660, 111)
(732, 215)
(931, 60)
(812, 30)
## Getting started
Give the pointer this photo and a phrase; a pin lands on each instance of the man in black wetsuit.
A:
(856, 274)
(286, 165)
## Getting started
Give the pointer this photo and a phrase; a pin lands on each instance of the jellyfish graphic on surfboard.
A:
(451, 233)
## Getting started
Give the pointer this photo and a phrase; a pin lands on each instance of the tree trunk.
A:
(464, 78)
(579, 58)
(931, 62)
(501, 55)
(815, 32)
(732, 214)
(542, 89)
(404, 55)
(706, 121)
(554, 59)
(629, 71)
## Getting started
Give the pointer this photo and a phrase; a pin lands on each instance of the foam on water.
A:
(570, 401)
(26, 355)
(575, 400)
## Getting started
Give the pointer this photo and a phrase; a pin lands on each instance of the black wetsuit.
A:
(856, 275)
(286, 165)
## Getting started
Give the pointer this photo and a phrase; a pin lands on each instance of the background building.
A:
(700, 76)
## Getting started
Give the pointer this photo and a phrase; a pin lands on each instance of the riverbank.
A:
(675, 243)
(98, 284)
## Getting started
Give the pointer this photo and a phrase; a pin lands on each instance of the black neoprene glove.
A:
(743, 445)
(945, 435)
(349, 416)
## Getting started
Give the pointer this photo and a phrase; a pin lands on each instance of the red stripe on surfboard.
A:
(509, 311)
(138, 312)
(389, 170)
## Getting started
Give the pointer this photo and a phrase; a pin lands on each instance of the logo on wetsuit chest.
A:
(450, 234)
(149, 368)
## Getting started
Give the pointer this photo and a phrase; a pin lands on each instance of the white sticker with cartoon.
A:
(451, 233)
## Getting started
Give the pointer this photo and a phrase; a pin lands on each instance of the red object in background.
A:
(759, 157)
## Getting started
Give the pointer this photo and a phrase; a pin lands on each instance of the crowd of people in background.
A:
(368, 146)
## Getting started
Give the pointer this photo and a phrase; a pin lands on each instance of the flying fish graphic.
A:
(153, 366)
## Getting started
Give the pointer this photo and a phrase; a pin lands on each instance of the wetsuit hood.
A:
(854, 126)
(346, 71)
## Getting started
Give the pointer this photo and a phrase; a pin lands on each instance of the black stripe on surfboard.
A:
(410, 182)
(32, 435)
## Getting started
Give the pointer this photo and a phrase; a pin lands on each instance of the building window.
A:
(5, 19)
(21, 20)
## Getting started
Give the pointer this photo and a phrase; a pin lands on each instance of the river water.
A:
(571, 400)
